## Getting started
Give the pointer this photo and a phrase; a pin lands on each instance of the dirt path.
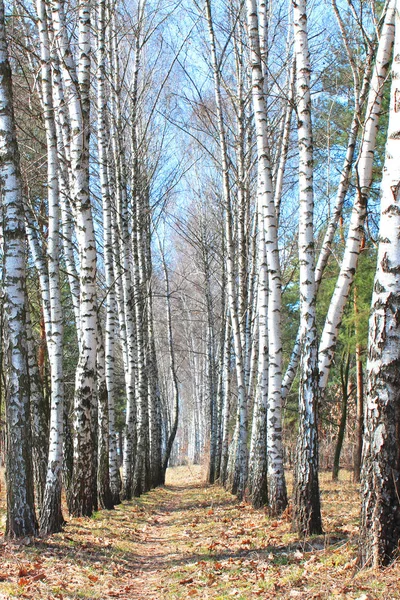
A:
(168, 536)
(132, 552)
(191, 540)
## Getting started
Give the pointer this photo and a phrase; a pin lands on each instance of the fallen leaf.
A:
(186, 581)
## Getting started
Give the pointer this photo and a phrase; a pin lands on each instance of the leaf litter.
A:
(189, 539)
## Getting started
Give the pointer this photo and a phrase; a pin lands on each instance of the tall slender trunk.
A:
(103, 470)
(122, 248)
(83, 498)
(107, 413)
(21, 519)
(277, 495)
(360, 398)
(355, 234)
(39, 418)
(241, 454)
(172, 366)
(306, 503)
(155, 415)
(380, 478)
(141, 478)
(226, 402)
(51, 518)
(346, 391)
(258, 466)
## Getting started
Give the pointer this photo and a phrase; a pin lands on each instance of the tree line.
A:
(187, 193)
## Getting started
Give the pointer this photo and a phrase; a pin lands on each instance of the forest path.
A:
(189, 539)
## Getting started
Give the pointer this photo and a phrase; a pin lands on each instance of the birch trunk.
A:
(83, 498)
(258, 466)
(226, 403)
(122, 244)
(172, 367)
(65, 178)
(380, 478)
(141, 481)
(154, 393)
(107, 413)
(103, 470)
(39, 418)
(341, 195)
(364, 178)
(306, 503)
(277, 495)
(21, 519)
(241, 454)
(51, 518)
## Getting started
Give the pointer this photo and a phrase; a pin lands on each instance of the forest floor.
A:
(188, 539)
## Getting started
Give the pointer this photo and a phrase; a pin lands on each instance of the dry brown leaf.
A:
(186, 581)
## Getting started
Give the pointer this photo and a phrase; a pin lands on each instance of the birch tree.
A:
(364, 179)
(172, 365)
(240, 439)
(268, 233)
(367, 108)
(122, 267)
(21, 519)
(51, 518)
(307, 512)
(380, 479)
(76, 80)
(110, 301)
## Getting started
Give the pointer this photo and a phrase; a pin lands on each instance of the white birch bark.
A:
(51, 518)
(127, 308)
(258, 488)
(241, 453)
(21, 519)
(129, 442)
(284, 140)
(103, 470)
(364, 179)
(63, 131)
(77, 83)
(380, 481)
(141, 473)
(268, 222)
(155, 424)
(106, 405)
(341, 194)
(306, 504)
(226, 403)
